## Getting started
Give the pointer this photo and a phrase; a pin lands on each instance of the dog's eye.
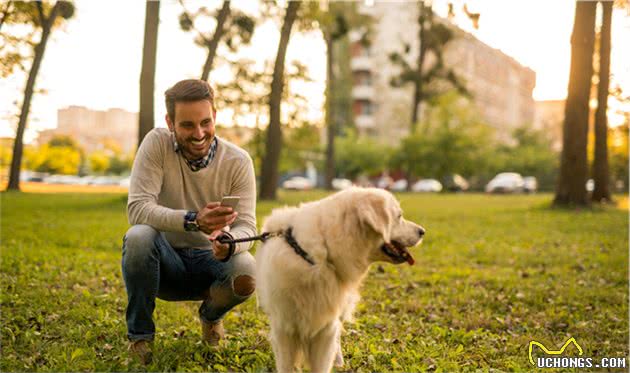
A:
(400, 216)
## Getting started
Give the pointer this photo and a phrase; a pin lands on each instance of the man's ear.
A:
(374, 214)
(169, 123)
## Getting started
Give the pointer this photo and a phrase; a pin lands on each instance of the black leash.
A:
(288, 236)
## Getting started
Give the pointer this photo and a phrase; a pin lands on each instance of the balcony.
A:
(361, 63)
(364, 121)
(362, 92)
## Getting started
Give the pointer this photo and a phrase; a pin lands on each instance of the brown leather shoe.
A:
(141, 350)
(212, 333)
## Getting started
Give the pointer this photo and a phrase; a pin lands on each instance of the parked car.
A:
(384, 182)
(427, 186)
(506, 182)
(530, 184)
(590, 185)
(399, 185)
(297, 183)
(341, 184)
(455, 183)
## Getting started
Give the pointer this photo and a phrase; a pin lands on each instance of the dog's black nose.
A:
(421, 232)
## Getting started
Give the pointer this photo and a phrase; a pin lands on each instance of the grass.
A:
(494, 273)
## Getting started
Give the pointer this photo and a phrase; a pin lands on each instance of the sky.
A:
(95, 59)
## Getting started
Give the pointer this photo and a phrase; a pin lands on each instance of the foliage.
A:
(64, 160)
(450, 140)
(618, 153)
(479, 292)
(530, 155)
(98, 162)
(21, 24)
(356, 156)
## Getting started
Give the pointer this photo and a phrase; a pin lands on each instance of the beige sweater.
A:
(163, 189)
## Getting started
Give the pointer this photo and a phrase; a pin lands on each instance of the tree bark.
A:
(224, 13)
(330, 116)
(18, 145)
(269, 173)
(417, 84)
(571, 189)
(601, 193)
(147, 75)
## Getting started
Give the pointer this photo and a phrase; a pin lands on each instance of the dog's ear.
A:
(374, 213)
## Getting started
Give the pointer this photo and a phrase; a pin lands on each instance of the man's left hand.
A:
(220, 250)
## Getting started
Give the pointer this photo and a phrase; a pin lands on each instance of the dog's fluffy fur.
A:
(343, 234)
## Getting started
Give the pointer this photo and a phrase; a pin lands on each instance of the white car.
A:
(399, 185)
(506, 182)
(297, 183)
(427, 185)
(341, 184)
(530, 184)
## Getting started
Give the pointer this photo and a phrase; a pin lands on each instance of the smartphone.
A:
(230, 201)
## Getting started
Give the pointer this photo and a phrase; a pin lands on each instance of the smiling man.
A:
(172, 250)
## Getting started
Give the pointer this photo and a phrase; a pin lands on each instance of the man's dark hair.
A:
(186, 91)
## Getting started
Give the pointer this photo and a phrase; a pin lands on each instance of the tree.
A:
(45, 23)
(451, 140)
(360, 156)
(273, 147)
(571, 189)
(601, 177)
(433, 35)
(232, 26)
(147, 74)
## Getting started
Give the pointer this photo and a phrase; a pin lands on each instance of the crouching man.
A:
(172, 250)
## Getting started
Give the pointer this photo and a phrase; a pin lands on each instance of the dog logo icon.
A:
(553, 352)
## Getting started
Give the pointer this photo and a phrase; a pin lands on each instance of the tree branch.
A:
(40, 11)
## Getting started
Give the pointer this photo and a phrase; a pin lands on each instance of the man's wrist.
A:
(190, 222)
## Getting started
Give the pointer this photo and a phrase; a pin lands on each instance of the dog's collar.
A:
(288, 236)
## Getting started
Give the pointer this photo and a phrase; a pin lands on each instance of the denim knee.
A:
(139, 245)
(243, 274)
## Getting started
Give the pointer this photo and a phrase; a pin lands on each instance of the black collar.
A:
(288, 236)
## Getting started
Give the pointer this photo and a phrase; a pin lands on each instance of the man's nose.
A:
(421, 231)
(199, 134)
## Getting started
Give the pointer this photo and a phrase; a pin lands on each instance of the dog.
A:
(308, 275)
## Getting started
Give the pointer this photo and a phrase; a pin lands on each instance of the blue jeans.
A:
(152, 268)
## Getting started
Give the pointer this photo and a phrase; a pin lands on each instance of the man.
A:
(172, 249)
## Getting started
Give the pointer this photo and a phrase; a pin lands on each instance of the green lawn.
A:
(493, 273)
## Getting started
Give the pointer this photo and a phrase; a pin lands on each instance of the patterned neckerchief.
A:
(202, 162)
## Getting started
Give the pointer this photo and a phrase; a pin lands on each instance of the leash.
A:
(288, 236)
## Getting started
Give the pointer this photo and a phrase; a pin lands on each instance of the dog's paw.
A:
(338, 360)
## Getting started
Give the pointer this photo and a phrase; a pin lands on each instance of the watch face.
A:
(191, 226)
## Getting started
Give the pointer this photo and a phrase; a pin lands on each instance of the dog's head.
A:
(382, 219)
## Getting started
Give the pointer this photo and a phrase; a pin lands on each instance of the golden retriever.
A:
(307, 296)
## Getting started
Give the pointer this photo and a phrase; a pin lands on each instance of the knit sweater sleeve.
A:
(244, 185)
(146, 182)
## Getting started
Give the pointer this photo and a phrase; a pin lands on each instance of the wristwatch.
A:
(190, 222)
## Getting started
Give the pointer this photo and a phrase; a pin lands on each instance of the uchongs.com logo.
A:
(552, 358)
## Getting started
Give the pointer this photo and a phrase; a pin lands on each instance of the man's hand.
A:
(220, 250)
(215, 217)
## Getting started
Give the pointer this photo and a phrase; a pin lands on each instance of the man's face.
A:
(193, 126)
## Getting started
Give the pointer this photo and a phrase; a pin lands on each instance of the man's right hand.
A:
(215, 217)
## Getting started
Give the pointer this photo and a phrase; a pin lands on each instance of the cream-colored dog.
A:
(308, 290)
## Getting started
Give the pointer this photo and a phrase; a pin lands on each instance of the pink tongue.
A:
(410, 260)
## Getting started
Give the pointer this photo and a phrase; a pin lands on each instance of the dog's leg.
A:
(322, 348)
(285, 349)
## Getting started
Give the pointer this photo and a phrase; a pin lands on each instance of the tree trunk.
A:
(216, 38)
(269, 173)
(147, 75)
(18, 145)
(571, 188)
(330, 117)
(417, 84)
(601, 193)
